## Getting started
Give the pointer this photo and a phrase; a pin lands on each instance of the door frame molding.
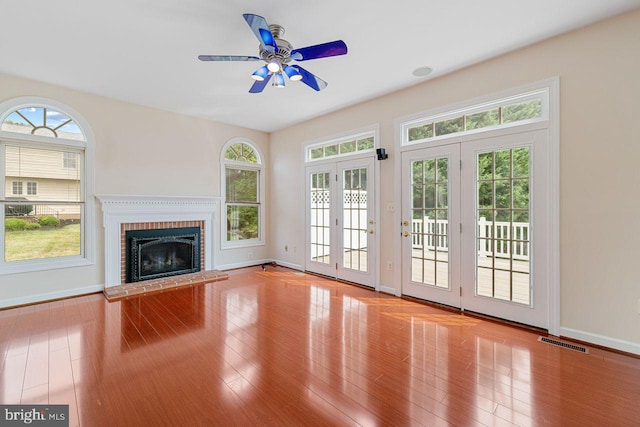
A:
(551, 125)
(375, 128)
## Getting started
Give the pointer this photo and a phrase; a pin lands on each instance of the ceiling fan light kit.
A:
(261, 73)
(277, 53)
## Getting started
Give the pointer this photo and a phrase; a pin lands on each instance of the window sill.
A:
(29, 266)
(241, 244)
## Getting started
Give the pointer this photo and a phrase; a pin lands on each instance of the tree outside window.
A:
(242, 179)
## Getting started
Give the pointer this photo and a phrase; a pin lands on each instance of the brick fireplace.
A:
(127, 213)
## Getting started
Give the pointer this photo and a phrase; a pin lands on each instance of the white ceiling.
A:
(145, 51)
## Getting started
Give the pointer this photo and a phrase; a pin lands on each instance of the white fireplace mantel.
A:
(124, 209)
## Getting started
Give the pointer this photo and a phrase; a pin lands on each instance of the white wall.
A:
(598, 68)
(181, 158)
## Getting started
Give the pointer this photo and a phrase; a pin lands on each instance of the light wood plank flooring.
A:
(283, 348)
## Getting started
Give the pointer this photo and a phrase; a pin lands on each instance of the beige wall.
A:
(138, 151)
(599, 148)
(598, 68)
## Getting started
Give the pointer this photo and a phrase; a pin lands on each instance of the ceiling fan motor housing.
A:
(283, 53)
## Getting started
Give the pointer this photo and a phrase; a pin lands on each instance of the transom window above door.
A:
(334, 148)
(515, 110)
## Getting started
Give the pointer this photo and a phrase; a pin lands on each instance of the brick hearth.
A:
(114, 293)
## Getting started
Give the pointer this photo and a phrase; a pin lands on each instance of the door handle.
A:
(405, 223)
(405, 234)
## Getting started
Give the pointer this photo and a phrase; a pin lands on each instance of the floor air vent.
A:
(563, 345)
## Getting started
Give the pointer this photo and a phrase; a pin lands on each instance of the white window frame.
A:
(262, 209)
(475, 106)
(17, 188)
(371, 131)
(87, 238)
(34, 185)
(69, 162)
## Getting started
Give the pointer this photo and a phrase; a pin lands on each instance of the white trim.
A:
(387, 289)
(554, 205)
(373, 130)
(48, 296)
(289, 265)
(477, 104)
(11, 105)
(601, 340)
(122, 209)
(243, 264)
(262, 195)
(550, 121)
(88, 242)
(255, 263)
(397, 211)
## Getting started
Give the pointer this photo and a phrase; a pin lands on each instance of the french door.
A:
(340, 220)
(475, 226)
(431, 217)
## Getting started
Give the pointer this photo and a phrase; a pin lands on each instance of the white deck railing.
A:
(435, 238)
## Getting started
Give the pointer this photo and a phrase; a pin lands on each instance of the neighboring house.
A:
(43, 176)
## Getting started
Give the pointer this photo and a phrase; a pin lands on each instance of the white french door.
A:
(340, 220)
(507, 241)
(476, 232)
(431, 217)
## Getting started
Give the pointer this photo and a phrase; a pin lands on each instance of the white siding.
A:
(37, 163)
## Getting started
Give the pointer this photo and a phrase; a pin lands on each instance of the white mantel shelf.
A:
(124, 209)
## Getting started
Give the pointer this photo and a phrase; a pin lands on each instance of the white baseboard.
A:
(601, 340)
(289, 265)
(31, 299)
(388, 290)
(256, 262)
(249, 263)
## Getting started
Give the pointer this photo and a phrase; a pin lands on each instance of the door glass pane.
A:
(430, 225)
(503, 229)
(320, 217)
(354, 221)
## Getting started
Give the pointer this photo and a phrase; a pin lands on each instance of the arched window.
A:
(243, 180)
(43, 152)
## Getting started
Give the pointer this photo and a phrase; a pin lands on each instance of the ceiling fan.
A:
(277, 53)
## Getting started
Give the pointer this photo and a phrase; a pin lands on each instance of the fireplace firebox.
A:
(152, 254)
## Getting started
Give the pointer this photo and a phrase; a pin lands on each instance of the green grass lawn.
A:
(43, 243)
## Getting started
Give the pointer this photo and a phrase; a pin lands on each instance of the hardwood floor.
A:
(284, 348)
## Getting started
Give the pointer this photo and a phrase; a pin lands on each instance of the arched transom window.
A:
(243, 194)
(42, 121)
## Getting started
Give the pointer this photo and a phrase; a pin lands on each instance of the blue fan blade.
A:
(258, 87)
(260, 28)
(310, 80)
(324, 50)
(227, 58)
